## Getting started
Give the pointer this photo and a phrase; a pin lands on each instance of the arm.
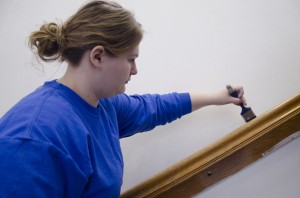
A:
(221, 97)
(139, 113)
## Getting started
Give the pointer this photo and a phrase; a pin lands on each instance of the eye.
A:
(132, 60)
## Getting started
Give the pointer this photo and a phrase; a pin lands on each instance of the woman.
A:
(62, 140)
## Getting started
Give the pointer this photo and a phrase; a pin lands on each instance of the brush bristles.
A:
(249, 115)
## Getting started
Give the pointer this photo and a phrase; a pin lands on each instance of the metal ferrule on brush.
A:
(247, 112)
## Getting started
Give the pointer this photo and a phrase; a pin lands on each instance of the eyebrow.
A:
(135, 55)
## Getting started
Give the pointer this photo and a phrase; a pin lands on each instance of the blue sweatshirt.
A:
(54, 144)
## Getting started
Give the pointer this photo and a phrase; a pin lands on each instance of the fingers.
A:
(240, 94)
(240, 91)
(243, 99)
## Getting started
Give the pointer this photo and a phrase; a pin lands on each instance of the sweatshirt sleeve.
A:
(36, 169)
(139, 113)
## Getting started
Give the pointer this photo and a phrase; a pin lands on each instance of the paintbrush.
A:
(247, 112)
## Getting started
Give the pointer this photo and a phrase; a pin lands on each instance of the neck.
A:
(75, 80)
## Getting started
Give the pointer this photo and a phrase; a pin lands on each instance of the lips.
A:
(127, 81)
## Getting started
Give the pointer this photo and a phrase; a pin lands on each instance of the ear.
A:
(96, 55)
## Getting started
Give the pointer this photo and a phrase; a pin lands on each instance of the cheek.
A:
(124, 70)
(119, 72)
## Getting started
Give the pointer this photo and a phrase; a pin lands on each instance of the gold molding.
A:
(225, 157)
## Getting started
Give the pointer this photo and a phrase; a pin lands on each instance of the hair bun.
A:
(48, 41)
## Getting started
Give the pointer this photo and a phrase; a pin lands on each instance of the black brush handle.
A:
(247, 112)
(234, 93)
(244, 109)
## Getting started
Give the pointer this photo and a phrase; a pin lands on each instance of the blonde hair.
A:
(98, 22)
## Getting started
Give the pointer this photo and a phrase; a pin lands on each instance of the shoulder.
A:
(42, 113)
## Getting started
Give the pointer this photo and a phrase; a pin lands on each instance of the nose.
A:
(133, 70)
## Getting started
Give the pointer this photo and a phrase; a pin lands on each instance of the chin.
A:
(119, 91)
(122, 90)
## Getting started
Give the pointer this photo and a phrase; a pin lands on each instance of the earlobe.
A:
(96, 55)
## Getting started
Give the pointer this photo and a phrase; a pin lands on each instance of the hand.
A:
(237, 92)
(221, 97)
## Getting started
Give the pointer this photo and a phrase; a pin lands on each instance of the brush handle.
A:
(244, 109)
(247, 112)
(234, 93)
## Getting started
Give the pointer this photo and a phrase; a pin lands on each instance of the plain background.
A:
(188, 46)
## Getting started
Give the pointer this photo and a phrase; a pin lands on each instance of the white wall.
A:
(188, 46)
